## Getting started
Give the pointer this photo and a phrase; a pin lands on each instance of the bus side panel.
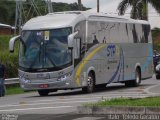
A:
(113, 50)
(103, 56)
(137, 55)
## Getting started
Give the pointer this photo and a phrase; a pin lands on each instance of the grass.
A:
(146, 102)
(11, 90)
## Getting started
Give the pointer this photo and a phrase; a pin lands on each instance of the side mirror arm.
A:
(12, 42)
(71, 40)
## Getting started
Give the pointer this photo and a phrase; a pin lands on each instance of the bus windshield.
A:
(44, 49)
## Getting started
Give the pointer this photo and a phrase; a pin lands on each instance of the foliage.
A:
(156, 39)
(57, 7)
(10, 60)
(155, 32)
(7, 12)
(139, 8)
(8, 8)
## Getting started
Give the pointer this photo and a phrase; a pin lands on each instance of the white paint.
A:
(48, 103)
(147, 90)
(40, 108)
(90, 118)
(82, 99)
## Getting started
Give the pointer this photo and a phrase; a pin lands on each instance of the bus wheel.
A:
(43, 92)
(90, 84)
(136, 82)
(157, 77)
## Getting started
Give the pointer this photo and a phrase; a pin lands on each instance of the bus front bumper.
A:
(46, 84)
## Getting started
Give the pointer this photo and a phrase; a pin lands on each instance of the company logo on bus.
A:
(113, 50)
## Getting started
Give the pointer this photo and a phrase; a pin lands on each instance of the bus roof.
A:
(70, 18)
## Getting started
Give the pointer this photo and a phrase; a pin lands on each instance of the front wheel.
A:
(43, 92)
(90, 84)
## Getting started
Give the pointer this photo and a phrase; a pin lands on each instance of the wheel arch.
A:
(92, 71)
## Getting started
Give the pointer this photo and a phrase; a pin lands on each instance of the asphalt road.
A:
(58, 105)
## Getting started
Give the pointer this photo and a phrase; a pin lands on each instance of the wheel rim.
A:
(90, 83)
(137, 78)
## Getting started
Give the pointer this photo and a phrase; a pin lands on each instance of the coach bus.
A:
(70, 50)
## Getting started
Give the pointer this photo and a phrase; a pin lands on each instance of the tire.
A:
(43, 92)
(54, 90)
(128, 83)
(136, 82)
(157, 77)
(90, 84)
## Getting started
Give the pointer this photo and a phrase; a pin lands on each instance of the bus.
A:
(71, 50)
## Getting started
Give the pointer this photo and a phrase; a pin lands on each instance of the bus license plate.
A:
(44, 86)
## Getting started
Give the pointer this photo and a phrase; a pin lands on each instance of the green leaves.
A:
(8, 8)
(10, 60)
(139, 8)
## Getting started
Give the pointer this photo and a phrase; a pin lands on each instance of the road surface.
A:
(66, 102)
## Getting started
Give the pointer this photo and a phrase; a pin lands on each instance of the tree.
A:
(8, 8)
(139, 8)
(7, 12)
(3, 15)
(80, 4)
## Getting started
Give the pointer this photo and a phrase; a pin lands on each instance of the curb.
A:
(118, 110)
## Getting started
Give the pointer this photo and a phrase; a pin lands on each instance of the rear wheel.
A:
(136, 82)
(43, 92)
(157, 76)
(90, 84)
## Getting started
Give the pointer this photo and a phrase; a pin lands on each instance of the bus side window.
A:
(130, 34)
(139, 31)
(123, 33)
(135, 37)
(81, 28)
(147, 33)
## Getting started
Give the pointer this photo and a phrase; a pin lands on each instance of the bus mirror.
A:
(71, 40)
(12, 42)
(77, 48)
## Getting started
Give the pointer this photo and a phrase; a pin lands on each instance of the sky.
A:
(110, 7)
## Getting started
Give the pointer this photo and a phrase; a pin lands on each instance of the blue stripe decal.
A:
(119, 69)
(149, 59)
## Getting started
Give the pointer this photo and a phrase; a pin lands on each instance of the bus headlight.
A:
(24, 80)
(64, 77)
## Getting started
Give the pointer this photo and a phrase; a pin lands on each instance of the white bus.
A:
(70, 50)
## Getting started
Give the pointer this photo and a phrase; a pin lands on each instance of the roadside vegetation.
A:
(10, 60)
(156, 39)
(145, 102)
(11, 90)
